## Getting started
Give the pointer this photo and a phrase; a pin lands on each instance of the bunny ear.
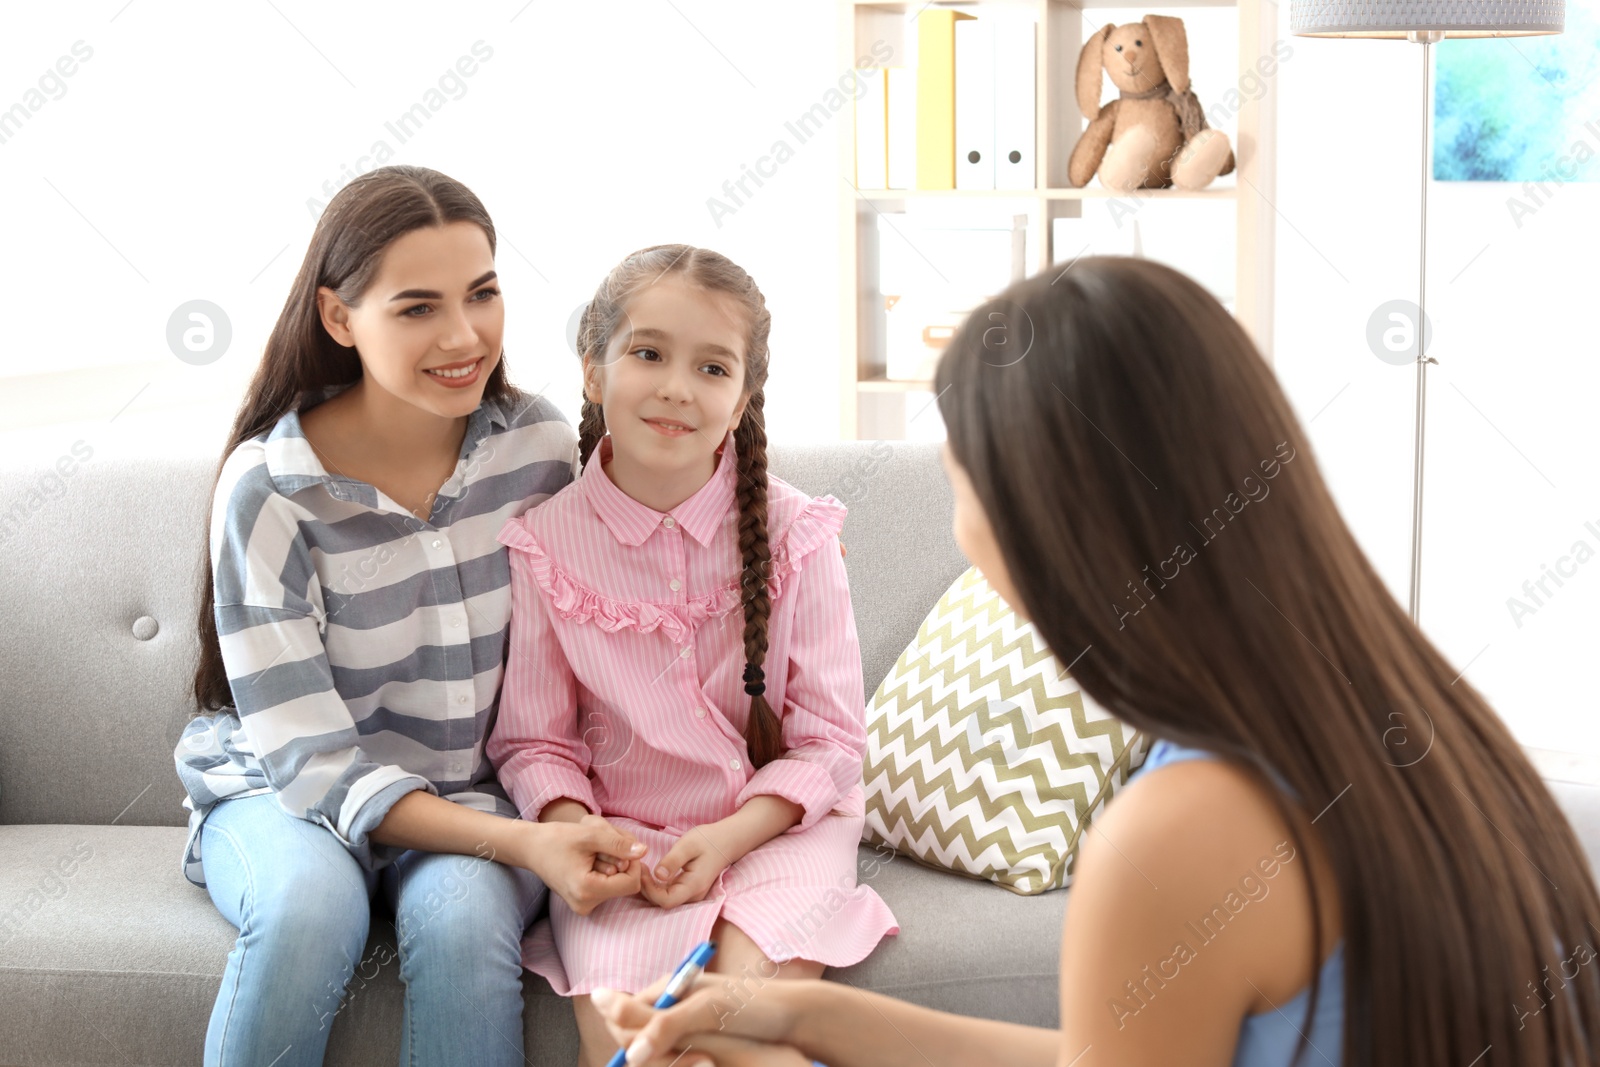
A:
(1089, 73)
(1172, 48)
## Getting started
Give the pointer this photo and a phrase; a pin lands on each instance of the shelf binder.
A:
(936, 98)
(975, 104)
(1015, 98)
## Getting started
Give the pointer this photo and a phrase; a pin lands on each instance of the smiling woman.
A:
(354, 617)
(427, 352)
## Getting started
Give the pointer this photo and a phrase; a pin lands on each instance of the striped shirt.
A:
(364, 646)
(624, 691)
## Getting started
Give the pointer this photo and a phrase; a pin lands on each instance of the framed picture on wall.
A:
(1520, 110)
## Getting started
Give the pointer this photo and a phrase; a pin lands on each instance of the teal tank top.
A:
(1268, 1039)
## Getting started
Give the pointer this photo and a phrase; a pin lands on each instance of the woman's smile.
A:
(456, 375)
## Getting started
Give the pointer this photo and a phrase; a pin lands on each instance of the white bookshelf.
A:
(874, 406)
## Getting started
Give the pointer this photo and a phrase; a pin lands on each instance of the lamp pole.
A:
(1426, 38)
(1393, 20)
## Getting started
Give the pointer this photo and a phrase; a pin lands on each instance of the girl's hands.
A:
(586, 862)
(686, 873)
(705, 1025)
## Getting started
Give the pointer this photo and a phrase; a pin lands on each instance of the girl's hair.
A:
(717, 274)
(1113, 421)
(346, 251)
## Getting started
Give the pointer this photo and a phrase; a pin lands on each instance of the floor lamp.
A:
(1424, 22)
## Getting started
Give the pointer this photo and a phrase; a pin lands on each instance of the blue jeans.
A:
(302, 905)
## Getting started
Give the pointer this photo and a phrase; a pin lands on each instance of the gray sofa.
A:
(107, 956)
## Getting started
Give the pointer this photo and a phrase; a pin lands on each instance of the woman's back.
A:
(1269, 1038)
(1145, 480)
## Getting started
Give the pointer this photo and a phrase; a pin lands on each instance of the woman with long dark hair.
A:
(354, 614)
(1336, 851)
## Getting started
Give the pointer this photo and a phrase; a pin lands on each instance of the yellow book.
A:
(936, 98)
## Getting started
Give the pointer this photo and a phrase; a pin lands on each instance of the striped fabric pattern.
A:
(364, 646)
(624, 691)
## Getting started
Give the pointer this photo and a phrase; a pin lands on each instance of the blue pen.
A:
(682, 981)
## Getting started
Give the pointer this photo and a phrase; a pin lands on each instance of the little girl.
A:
(683, 658)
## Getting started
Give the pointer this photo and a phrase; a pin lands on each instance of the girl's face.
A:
(429, 327)
(974, 535)
(671, 380)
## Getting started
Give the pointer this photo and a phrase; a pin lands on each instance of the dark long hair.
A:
(712, 272)
(346, 250)
(1141, 468)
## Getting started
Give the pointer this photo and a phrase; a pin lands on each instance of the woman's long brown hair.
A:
(1119, 427)
(346, 251)
(715, 273)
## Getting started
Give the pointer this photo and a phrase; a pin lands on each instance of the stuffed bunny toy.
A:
(1154, 135)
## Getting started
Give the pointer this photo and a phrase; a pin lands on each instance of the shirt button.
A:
(699, 713)
(462, 699)
(675, 585)
(668, 523)
(455, 624)
(734, 764)
(688, 650)
(437, 542)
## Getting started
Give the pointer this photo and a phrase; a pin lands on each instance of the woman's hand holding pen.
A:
(706, 1025)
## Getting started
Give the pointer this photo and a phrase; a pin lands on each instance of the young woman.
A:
(354, 617)
(1335, 853)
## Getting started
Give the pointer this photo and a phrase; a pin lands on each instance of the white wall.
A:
(178, 163)
(1509, 479)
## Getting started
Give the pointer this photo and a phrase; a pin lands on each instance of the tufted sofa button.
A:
(144, 628)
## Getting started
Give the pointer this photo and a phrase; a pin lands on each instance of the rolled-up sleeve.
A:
(824, 713)
(269, 625)
(535, 746)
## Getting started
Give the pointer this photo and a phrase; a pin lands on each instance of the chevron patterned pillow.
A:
(983, 756)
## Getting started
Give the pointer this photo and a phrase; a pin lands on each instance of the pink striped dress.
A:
(624, 691)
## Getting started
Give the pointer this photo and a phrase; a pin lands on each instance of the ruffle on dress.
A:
(816, 524)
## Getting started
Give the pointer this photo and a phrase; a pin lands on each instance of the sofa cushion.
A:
(107, 956)
(983, 755)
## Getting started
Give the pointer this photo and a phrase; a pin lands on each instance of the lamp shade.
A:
(1397, 18)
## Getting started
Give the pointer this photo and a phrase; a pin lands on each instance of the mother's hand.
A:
(585, 863)
(707, 1023)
